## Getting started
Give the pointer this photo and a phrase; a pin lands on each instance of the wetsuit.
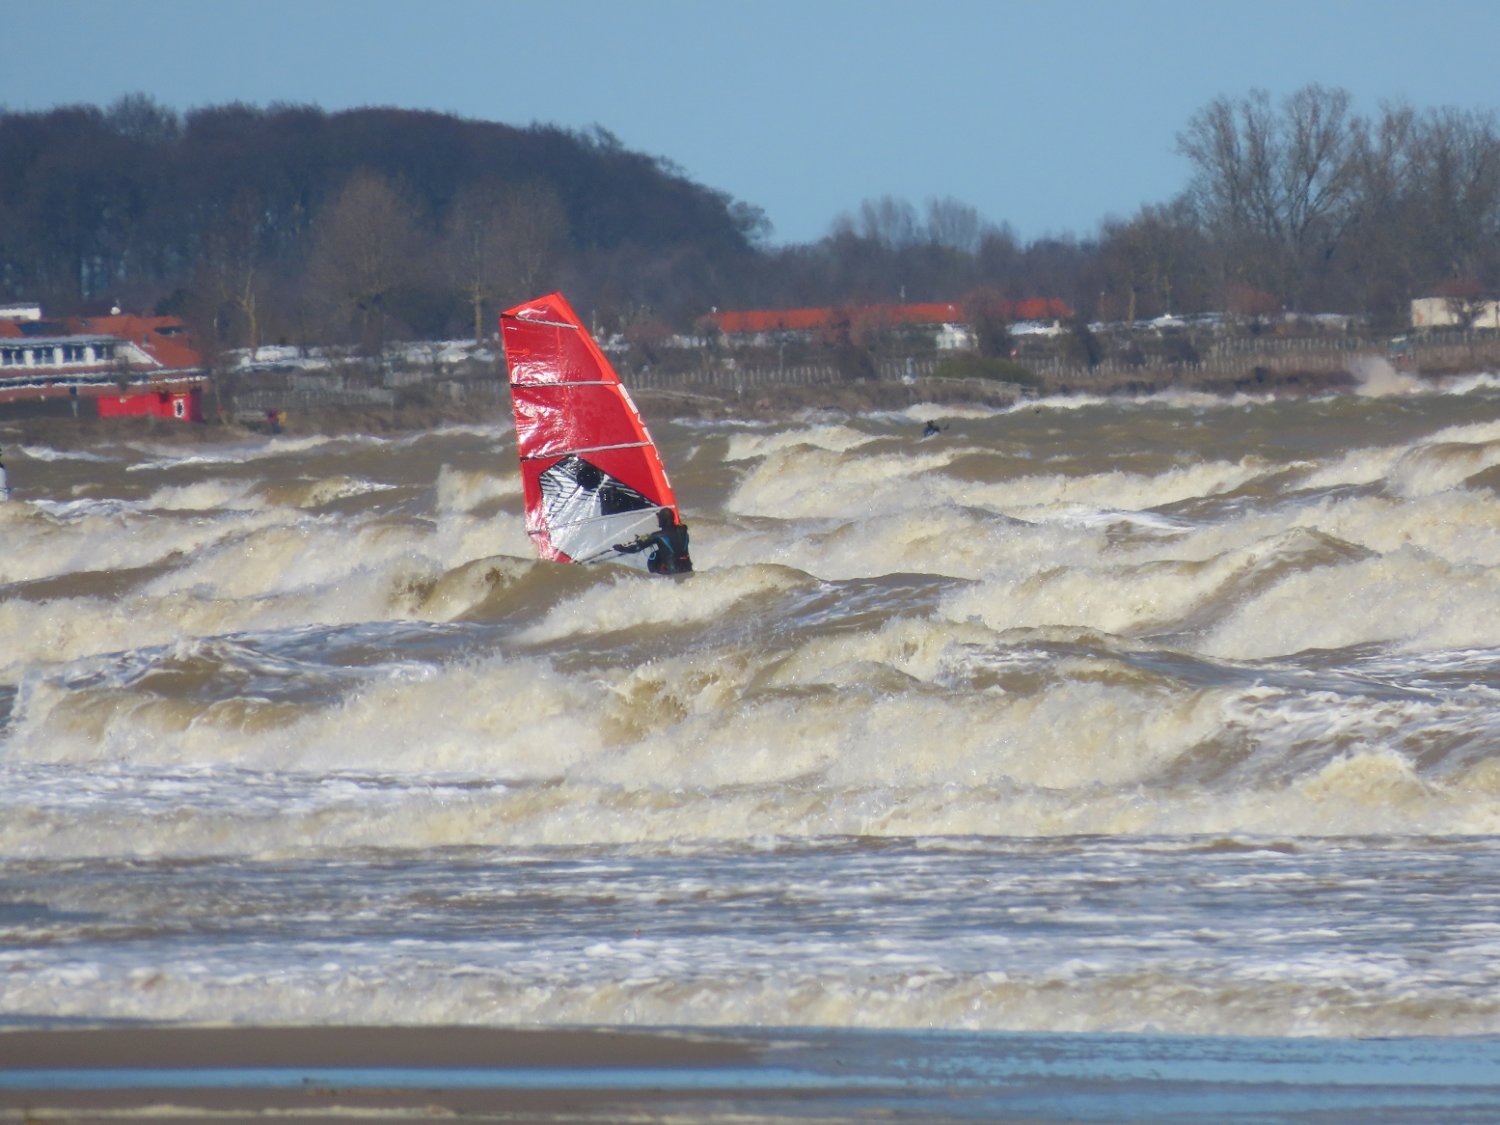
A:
(668, 547)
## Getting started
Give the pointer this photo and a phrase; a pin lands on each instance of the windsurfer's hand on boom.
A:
(669, 553)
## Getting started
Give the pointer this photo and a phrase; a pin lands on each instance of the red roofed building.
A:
(763, 323)
(124, 364)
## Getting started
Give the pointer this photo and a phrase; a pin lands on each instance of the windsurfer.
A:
(668, 546)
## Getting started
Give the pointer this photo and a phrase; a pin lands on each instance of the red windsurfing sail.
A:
(591, 474)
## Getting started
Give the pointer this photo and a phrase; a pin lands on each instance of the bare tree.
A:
(888, 221)
(1150, 262)
(998, 259)
(988, 314)
(138, 118)
(535, 224)
(1276, 187)
(1321, 144)
(231, 266)
(366, 247)
(1379, 259)
(498, 240)
(1128, 265)
(1457, 172)
(473, 249)
(954, 224)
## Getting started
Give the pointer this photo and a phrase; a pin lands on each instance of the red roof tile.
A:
(736, 321)
(163, 338)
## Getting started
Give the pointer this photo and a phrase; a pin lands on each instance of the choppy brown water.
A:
(1175, 713)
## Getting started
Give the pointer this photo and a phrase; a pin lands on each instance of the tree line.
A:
(290, 224)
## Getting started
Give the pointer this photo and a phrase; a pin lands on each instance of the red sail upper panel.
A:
(591, 474)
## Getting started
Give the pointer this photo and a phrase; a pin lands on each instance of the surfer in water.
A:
(668, 546)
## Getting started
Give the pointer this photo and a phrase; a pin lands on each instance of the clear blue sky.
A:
(1048, 116)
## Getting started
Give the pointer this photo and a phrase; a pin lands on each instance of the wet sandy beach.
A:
(738, 1075)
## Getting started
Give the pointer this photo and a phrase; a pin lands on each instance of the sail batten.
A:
(590, 472)
(582, 449)
(560, 386)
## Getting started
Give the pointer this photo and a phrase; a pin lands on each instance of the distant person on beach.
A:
(4, 483)
(668, 546)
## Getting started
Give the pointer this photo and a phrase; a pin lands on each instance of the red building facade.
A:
(117, 357)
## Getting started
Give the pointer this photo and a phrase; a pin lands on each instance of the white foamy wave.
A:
(46, 453)
(514, 718)
(812, 482)
(1175, 398)
(938, 412)
(818, 983)
(832, 437)
(1469, 384)
(1060, 402)
(1070, 722)
(466, 490)
(1082, 516)
(1356, 466)
(1375, 377)
(105, 537)
(206, 495)
(1034, 587)
(689, 751)
(1032, 496)
(624, 603)
(1367, 465)
(82, 508)
(167, 457)
(461, 591)
(1405, 598)
(937, 540)
(1458, 525)
(324, 491)
(1471, 433)
(1436, 468)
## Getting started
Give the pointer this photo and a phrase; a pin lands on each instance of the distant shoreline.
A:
(1286, 367)
(692, 402)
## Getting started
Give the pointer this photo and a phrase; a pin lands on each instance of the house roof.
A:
(810, 319)
(163, 338)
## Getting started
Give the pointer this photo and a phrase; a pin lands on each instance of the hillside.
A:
(292, 223)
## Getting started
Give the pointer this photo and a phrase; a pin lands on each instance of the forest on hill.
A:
(288, 224)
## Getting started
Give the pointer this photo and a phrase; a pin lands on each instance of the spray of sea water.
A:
(1179, 713)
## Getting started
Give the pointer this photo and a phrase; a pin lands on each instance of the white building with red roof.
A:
(123, 364)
